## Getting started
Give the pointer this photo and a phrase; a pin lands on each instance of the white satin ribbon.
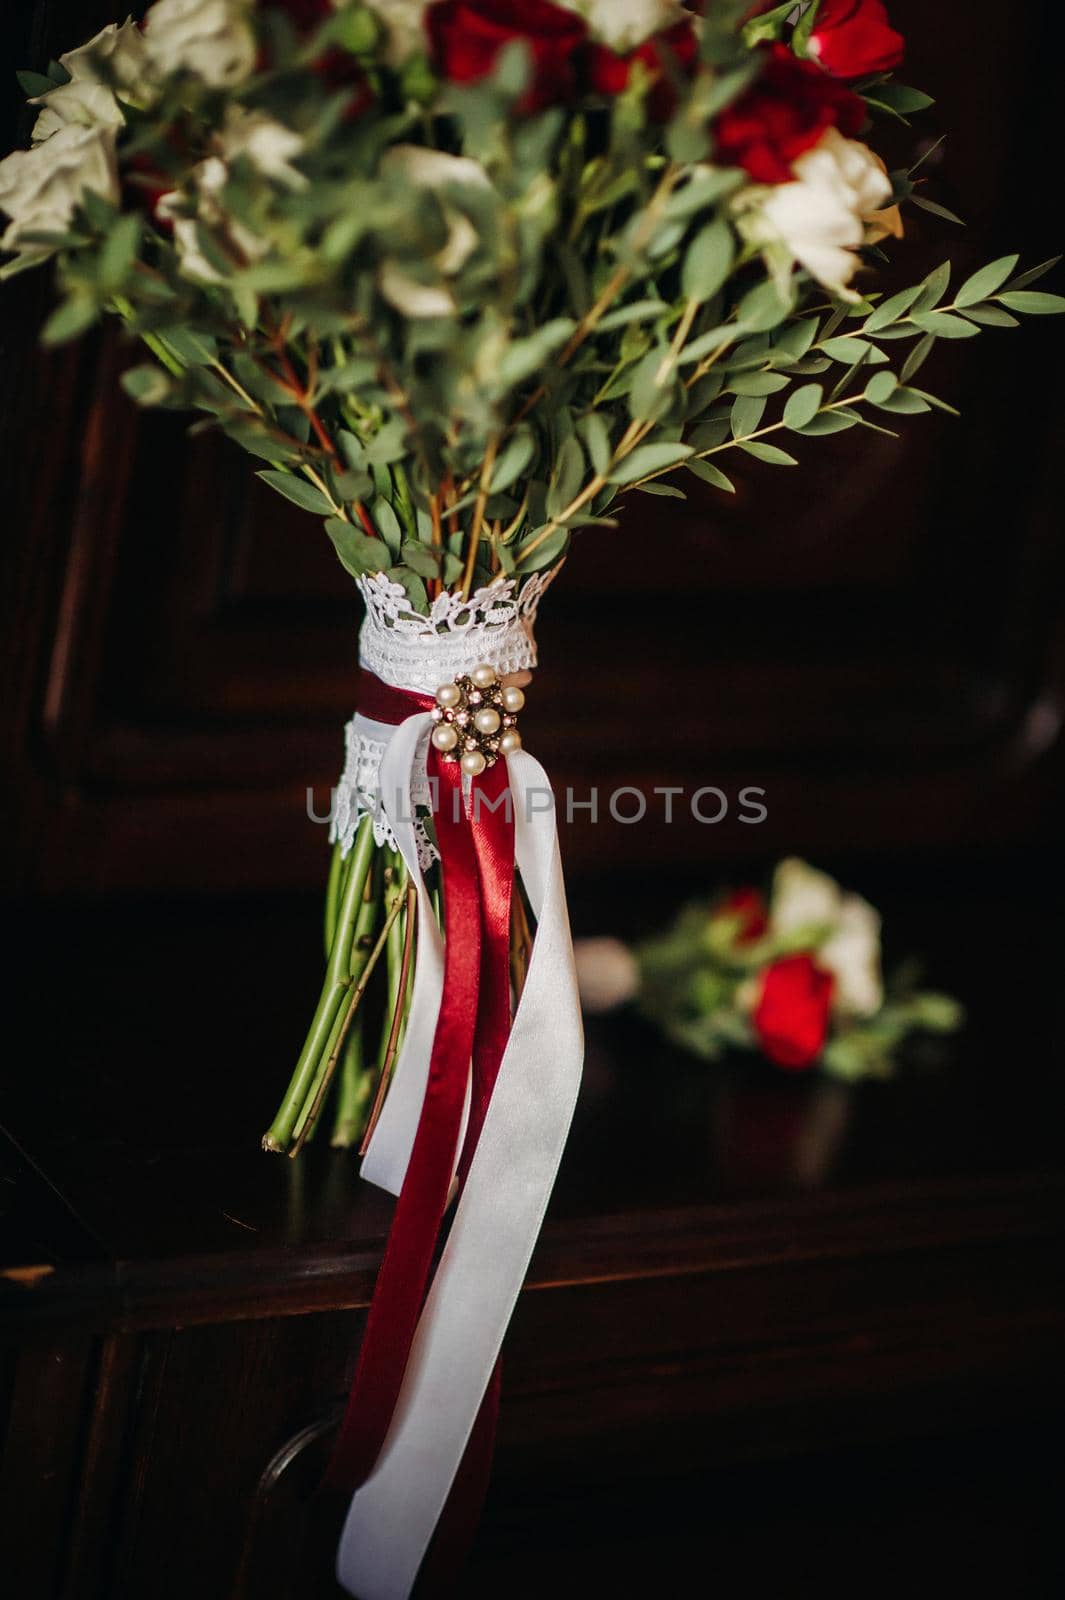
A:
(387, 1155)
(392, 1516)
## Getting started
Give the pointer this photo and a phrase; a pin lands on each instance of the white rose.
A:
(88, 99)
(212, 39)
(436, 172)
(819, 216)
(807, 901)
(86, 105)
(41, 188)
(852, 954)
(121, 45)
(623, 25)
(209, 179)
(607, 974)
(266, 143)
(802, 898)
(404, 23)
(423, 168)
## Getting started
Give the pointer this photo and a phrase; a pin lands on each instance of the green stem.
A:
(279, 1133)
(359, 946)
(353, 1094)
(334, 889)
(350, 1007)
(394, 960)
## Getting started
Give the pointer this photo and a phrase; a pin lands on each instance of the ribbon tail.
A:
(394, 1312)
(388, 1153)
(392, 1516)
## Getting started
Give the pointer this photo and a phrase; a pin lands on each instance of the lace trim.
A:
(411, 651)
(357, 795)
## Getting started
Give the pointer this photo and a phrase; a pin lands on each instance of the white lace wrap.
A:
(418, 652)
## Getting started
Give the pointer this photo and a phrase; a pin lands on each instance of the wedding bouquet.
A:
(460, 277)
(795, 975)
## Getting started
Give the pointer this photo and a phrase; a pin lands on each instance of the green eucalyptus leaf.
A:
(917, 357)
(768, 452)
(388, 444)
(900, 98)
(566, 478)
(1033, 274)
(512, 460)
(257, 442)
(708, 435)
(414, 586)
(905, 402)
(647, 458)
(758, 383)
(827, 422)
(1033, 304)
(667, 491)
(934, 287)
(593, 431)
(302, 494)
(746, 414)
(353, 449)
(943, 325)
(706, 343)
(849, 351)
(637, 311)
(880, 386)
(358, 553)
(985, 282)
(528, 356)
(387, 524)
(419, 558)
(148, 384)
(937, 210)
(763, 309)
(353, 485)
(889, 310)
(803, 404)
(795, 340)
(119, 252)
(33, 84)
(708, 261)
(712, 475)
(69, 319)
(654, 387)
(991, 316)
(545, 553)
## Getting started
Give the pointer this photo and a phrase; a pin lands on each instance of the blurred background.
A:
(876, 639)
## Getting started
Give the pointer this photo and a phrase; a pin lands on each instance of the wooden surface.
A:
(750, 1288)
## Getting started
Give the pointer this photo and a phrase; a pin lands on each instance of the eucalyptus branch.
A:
(741, 439)
(477, 521)
(587, 325)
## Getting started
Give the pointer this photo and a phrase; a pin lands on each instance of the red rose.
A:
(749, 908)
(466, 37)
(853, 37)
(783, 113)
(791, 1017)
(609, 73)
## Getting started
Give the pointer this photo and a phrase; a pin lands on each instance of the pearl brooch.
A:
(474, 720)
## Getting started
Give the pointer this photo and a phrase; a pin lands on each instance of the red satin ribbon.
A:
(477, 862)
